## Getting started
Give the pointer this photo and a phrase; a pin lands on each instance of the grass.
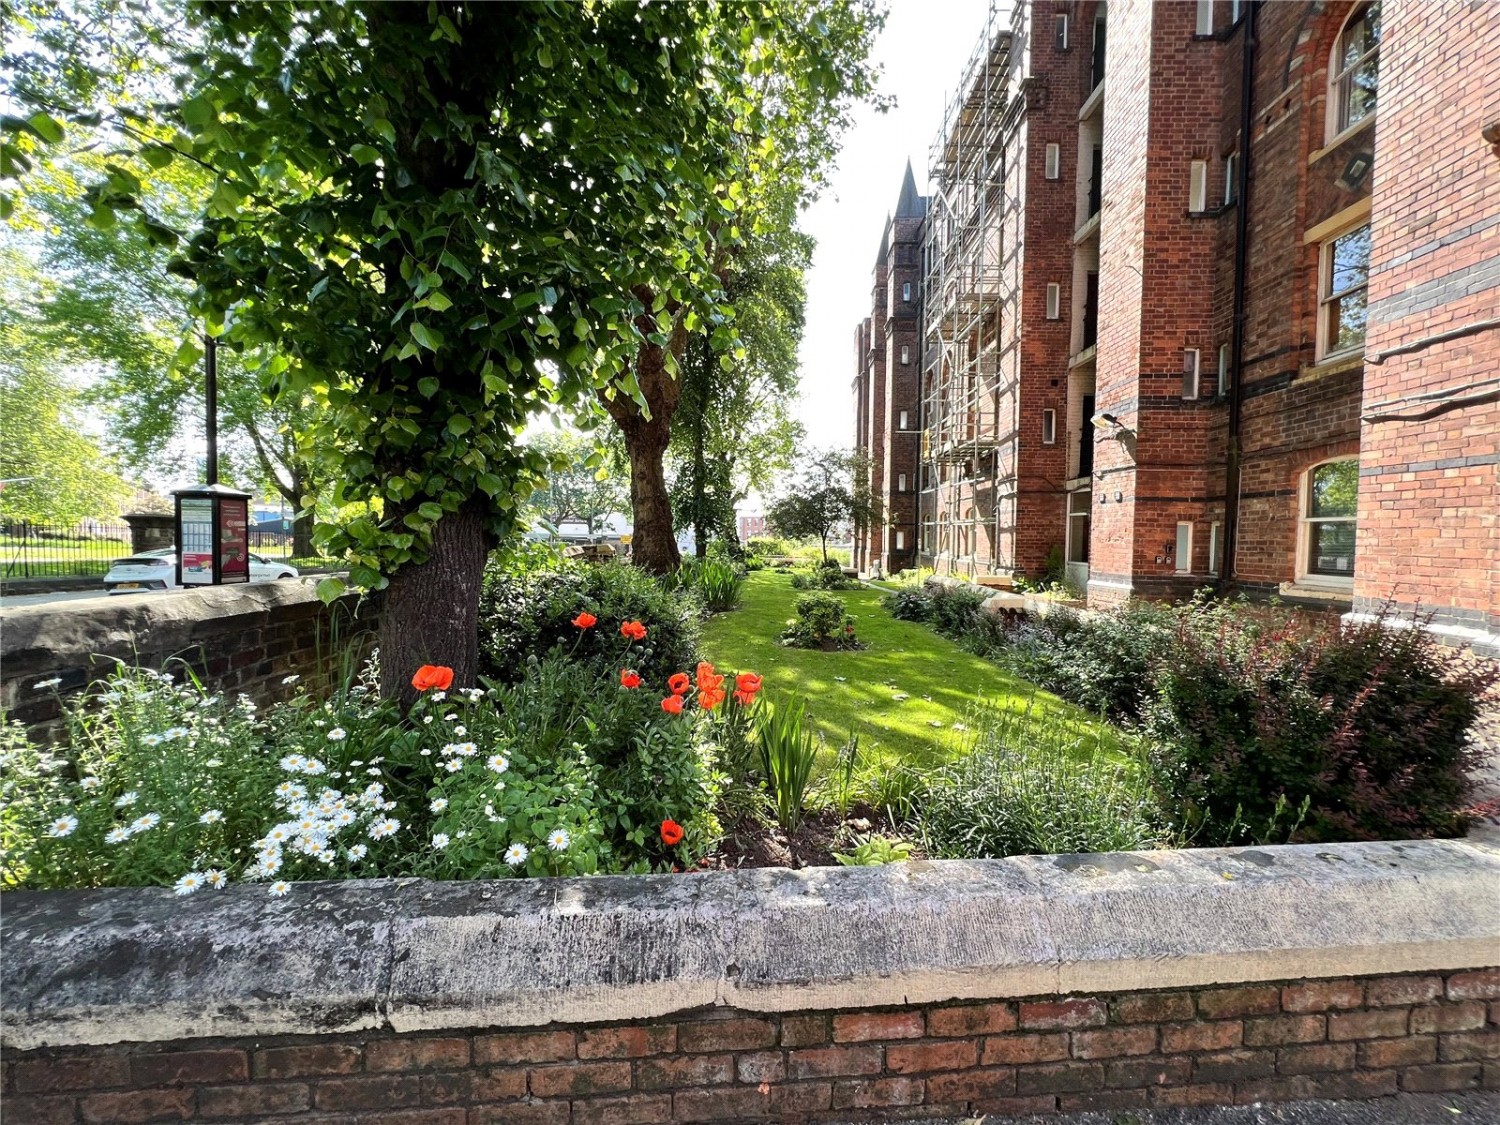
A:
(858, 690)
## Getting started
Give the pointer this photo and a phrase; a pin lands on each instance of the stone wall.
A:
(234, 638)
(1032, 984)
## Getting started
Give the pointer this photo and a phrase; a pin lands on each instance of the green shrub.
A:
(822, 621)
(1032, 785)
(767, 547)
(718, 583)
(787, 754)
(908, 603)
(825, 576)
(1360, 729)
(875, 851)
(522, 616)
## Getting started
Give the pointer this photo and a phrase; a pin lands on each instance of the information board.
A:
(197, 544)
(234, 546)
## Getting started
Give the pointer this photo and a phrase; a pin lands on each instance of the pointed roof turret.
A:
(885, 243)
(910, 205)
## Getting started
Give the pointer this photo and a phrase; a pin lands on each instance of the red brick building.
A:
(1220, 304)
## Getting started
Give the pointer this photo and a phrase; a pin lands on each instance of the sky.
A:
(922, 49)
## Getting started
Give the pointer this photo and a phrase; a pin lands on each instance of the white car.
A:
(157, 570)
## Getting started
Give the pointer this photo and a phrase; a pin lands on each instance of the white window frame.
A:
(1052, 163)
(1204, 24)
(1326, 298)
(1192, 374)
(900, 540)
(900, 482)
(1198, 186)
(1215, 545)
(906, 291)
(1303, 569)
(905, 353)
(1338, 93)
(1049, 427)
(1054, 300)
(1223, 369)
(1231, 177)
(901, 423)
(1060, 31)
(1182, 560)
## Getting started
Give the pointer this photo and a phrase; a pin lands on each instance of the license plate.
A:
(127, 585)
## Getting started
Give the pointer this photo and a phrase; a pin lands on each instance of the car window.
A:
(256, 558)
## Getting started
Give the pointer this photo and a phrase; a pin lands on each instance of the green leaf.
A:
(364, 154)
(437, 301)
(428, 386)
(431, 510)
(158, 156)
(459, 424)
(330, 590)
(385, 130)
(544, 56)
(429, 338)
(198, 112)
(45, 127)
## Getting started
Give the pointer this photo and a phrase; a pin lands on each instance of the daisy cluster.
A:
(315, 822)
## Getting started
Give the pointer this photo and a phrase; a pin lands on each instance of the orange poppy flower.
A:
(585, 620)
(744, 698)
(747, 682)
(671, 833)
(629, 679)
(679, 683)
(431, 676)
(710, 699)
(633, 630)
(672, 705)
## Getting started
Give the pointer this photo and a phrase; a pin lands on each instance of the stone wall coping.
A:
(139, 965)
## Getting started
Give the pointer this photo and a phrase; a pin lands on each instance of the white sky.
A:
(923, 49)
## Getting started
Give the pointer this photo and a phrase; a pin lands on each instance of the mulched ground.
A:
(749, 843)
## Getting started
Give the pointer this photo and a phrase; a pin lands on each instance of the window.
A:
(1330, 496)
(1345, 278)
(1223, 369)
(1190, 373)
(1183, 554)
(1054, 162)
(1205, 25)
(1215, 530)
(900, 482)
(905, 293)
(1354, 72)
(1054, 300)
(1080, 506)
(1198, 186)
(1049, 427)
(901, 425)
(900, 540)
(1234, 12)
(1231, 178)
(905, 354)
(1060, 24)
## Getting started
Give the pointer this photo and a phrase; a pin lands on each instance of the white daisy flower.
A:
(383, 828)
(516, 854)
(280, 888)
(373, 771)
(216, 878)
(558, 839)
(110, 697)
(439, 804)
(280, 834)
(63, 826)
(440, 840)
(344, 817)
(292, 763)
(152, 740)
(460, 730)
(292, 679)
(426, 753)
(89, 783)
(358, 852)
(312, 767)
(268, 864)
(117, 835)
(188, 883)
(145, 823)
(212, 816)
(337, 734)
(438, 696)
(426, 720)
(214, 763)
(497, 763)
(43, 685)
(453, 765)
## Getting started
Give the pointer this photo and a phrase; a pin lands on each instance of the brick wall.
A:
(236, 639)
(1339, 1038)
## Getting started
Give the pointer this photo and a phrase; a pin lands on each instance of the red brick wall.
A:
(1344, 1038)
(1429, 513)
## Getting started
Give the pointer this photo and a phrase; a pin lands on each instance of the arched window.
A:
(1330, 497)
(1354, 71)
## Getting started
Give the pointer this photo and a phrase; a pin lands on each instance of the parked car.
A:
(157, 570)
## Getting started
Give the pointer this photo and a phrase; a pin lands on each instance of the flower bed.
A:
(565, 772)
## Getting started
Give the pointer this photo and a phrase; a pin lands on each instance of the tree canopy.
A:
(830, 490)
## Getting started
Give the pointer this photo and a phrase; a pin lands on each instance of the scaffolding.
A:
(970, 309)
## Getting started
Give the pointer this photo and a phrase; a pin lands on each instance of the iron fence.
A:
(89, 549)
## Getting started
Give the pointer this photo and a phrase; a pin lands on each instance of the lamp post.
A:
(213, 546)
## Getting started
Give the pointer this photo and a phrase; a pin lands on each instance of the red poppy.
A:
(744, 698)
(585, 621)
(679, 683)
(671, 833)
(634, 630)
(672, 705)
(431, 676)
(629, 679)
(747, 682)
(710, 699)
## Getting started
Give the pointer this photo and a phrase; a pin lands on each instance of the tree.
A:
(832, 489)
(578, 487)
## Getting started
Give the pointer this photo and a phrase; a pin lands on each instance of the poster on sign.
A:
(234, 546)
(197, 544)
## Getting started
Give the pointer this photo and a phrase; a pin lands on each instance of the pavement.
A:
(8, 601)
(1479, 1107)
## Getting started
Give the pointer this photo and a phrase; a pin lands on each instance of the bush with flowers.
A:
(565, 771)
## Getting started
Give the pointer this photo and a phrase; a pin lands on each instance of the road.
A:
(10, 601)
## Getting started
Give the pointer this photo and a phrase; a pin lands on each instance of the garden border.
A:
(139, 965)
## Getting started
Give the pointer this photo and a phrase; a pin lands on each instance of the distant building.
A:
(751, 526)
(1173, 335)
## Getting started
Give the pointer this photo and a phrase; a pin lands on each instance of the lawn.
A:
(862, 690)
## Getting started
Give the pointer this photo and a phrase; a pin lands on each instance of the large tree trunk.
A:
(304, 521)
(653, 542)
(431, 610)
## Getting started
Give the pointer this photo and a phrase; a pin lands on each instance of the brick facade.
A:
(1341, 1038)
(1209, 481)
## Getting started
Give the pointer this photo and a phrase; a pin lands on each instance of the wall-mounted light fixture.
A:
(1354, 172)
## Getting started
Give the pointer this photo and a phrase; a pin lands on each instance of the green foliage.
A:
(788, 753)
(822, 621)
(832, 488)
(579, 485)
(826, 576)
(718, 583)
(875, 851)
(1033, 784)
(1351, 732)
(524, 615)
(908, 603)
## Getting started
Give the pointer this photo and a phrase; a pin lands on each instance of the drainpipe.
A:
(1241, 265)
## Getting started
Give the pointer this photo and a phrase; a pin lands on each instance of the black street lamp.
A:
(213, 544)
